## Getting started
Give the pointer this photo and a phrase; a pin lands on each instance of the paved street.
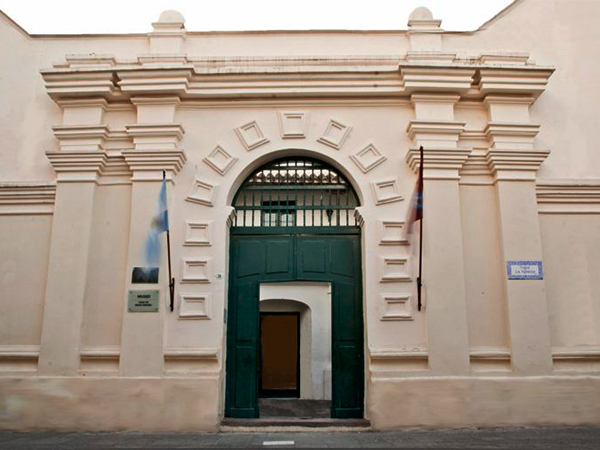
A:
(513, 438)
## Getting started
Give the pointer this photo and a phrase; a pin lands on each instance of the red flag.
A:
(415, 211)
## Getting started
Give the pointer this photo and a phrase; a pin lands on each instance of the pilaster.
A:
(514, 163)
(77, 173)
(156, 138)
(443, 262)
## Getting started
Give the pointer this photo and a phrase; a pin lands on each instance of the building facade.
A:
(290, 159)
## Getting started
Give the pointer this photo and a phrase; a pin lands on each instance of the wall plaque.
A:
(525, 270)
(143, 301)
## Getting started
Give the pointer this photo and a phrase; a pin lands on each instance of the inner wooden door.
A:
(280, 355)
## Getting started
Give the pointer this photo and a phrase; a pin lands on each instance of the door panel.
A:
(313, 256)
(342, 260)
(249, 258)
(272, 258)
(347, 358)
(243, 351)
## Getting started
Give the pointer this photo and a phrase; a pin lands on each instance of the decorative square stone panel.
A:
(392, 232)
(194, 306)
(202, 193)
(368, 158)
(194, 270)
(395, 268)
(293, 124)
(396, 307)
(251, 135)
(220, 160)
(335, 134)
(197, 233)
(385, 191)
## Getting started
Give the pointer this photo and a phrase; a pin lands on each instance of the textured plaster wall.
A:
(103, 307)
(484, 270)
(572, 262)
(24, 246)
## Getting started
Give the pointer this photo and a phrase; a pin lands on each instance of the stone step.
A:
(294, 424)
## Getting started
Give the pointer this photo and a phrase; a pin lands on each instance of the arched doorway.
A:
(295, 221)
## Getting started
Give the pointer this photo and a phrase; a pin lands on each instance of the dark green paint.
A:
(295, 257)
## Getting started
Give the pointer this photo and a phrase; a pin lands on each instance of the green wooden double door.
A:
(256, 259)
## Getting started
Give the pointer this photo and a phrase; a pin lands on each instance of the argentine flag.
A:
(160, 223)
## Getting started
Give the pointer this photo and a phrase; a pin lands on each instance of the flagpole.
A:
(419, 278)
(171, 279)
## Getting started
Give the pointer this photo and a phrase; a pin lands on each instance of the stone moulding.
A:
(194, 306)
(209, 354)
(368, 158)
(288, 76)
(391, 363)
(335, 134)
(251, 136)
(27, 198)
(386, 191)
(77, 166)
(568, 196)
(220, 160)
(437, 158)
(516, 164)
(396, 307)
(202, 193)
(293, 124)
(148, 165)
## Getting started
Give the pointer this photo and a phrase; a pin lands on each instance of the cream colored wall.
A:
(561, 34)
(484, 271)
(476, 322)
(103, 303)
(24, 246)
(572, 260)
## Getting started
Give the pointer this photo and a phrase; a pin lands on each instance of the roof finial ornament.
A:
(424, 31)
(168, 33)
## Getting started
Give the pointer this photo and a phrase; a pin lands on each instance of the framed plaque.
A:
(525, 270)
(143, 301)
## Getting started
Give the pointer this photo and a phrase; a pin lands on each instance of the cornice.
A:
(568, 196)
(527, 130)
(77, 166)
(437, 159)
(227, 77)
(527, 80)
(27, 198)
(476, 164)
(80, 83)
(171, 81)
(149, 164)
(433, 78)
(416, 127)
(151, 130)
(513, 164)
(81, 137)
(66, 132)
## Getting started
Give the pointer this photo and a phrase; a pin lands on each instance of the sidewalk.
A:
(513, 438)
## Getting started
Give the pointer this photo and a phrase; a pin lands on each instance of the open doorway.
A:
(280, 355)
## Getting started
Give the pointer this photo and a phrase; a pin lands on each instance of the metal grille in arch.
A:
(295, 192)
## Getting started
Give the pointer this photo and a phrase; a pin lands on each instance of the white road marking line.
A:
(278, 443)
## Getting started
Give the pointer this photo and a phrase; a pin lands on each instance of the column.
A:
(78, 164)
(514, 163)
(156, 138)
(443, 263)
